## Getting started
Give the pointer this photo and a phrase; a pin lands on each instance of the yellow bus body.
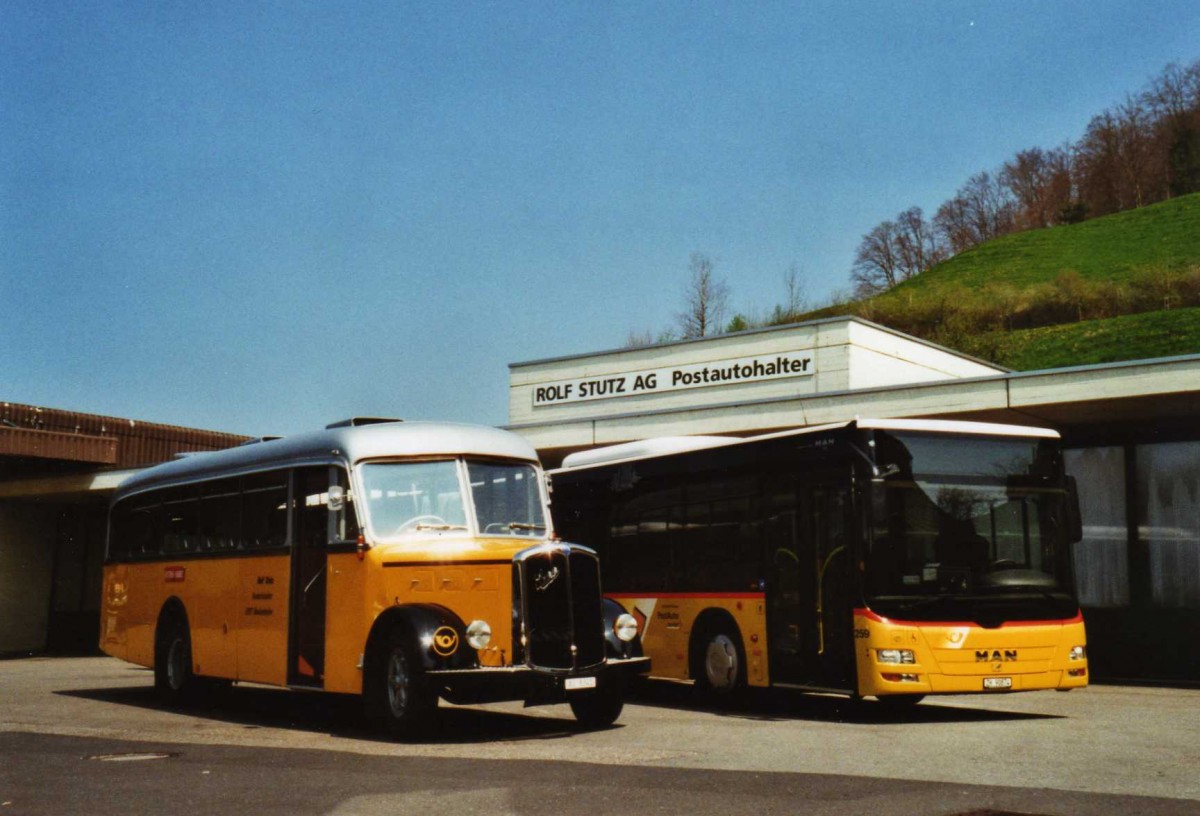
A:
(949, 658)
(667, 621)
(238, 606)
(957, 658)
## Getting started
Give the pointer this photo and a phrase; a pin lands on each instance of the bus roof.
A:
(664, 446)
(339, 442)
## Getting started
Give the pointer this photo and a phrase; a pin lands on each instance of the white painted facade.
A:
(546, 397)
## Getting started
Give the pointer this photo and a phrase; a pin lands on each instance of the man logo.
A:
(445, 641)
(995, 656)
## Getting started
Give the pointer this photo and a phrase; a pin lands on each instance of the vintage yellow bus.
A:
(892, 559)
(405, 562)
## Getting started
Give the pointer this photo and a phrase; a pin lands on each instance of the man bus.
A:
(892, 559)
(400, 561)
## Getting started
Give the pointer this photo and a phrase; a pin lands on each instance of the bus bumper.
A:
(535, 686)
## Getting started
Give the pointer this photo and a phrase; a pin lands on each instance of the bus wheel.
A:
(718, 665)
(174, 681)
(397, 696)
(598, 708)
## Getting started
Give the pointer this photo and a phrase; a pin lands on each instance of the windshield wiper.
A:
(520, 525)
(426, 526)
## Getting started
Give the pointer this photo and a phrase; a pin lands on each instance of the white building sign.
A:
(675, 378)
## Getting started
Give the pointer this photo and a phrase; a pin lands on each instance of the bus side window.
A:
(136, 528)
(264, 511)
(181, 532)
(220, 515)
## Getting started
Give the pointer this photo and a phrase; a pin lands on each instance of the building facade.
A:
(57, 472)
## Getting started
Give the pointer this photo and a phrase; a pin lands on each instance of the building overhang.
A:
(75, 486)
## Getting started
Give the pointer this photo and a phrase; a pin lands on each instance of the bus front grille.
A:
(561, 608)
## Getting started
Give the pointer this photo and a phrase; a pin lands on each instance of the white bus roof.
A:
(663, 446)
(342, 443)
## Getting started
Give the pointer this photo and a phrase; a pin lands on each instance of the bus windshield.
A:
(410, 498)
(963, 527)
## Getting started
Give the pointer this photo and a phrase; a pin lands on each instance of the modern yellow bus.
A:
(405, 562)
(892, 559)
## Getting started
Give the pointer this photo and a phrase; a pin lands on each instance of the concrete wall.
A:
(27, 539)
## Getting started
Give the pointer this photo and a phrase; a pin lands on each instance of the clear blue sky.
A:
(260, 217)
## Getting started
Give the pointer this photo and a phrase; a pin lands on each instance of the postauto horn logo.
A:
(445, 641)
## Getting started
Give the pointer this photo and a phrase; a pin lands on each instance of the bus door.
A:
(310, 536)
(832, 561)
(264, 572)
(806, 530)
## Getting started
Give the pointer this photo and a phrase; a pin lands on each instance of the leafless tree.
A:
(980, 211)
(1173, 100)
(916, 243)
(706, 300)
(877, 261)
(1041, 186)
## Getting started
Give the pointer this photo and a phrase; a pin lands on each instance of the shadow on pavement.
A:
(340, 715)
(786, 704)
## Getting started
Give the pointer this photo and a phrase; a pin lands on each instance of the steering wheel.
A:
(1005, 563)
(417, 521)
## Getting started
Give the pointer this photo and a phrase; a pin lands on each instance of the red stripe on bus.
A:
(869, 615)
(736, 595)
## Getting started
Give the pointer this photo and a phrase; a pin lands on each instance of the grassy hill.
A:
(1128, 337)
(1121, 287)
(1113, 248)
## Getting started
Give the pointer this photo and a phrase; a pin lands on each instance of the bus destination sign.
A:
(674, 378)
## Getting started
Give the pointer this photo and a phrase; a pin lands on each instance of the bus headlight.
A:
(625, 627)
(896, 656)
(1078, 653)
(479, 634)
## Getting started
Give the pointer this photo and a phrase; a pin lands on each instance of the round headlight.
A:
(626, 627)
(479, 634)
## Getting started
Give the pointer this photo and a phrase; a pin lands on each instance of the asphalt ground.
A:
(86, 735)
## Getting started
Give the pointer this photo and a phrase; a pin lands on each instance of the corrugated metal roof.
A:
(50, 433)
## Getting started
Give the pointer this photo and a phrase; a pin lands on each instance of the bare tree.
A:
(1173, 99)
(916, 243)
(980, 211)
(877, 261)
(706, 300)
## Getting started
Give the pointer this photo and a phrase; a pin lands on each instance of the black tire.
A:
(174, 681)
(599, 707)
(397, 695)
(718, 662)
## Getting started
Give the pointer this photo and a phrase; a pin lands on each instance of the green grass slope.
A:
(1129, 337)
(1113, 248)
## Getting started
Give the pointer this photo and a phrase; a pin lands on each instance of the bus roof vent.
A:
(354, 422)
(258, 439)
(661, 446)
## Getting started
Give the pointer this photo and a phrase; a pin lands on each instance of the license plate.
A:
(997, 682)
(576, 683)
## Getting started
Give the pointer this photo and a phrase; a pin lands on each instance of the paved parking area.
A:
(1104, 750)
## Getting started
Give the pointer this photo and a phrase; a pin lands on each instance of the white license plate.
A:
(997, 682)
(576, 683)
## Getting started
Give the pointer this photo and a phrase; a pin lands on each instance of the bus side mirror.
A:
(1074, 517)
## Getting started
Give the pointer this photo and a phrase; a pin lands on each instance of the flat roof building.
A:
(57, 472)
